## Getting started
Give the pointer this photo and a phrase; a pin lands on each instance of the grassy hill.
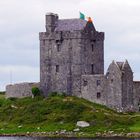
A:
(54, 114)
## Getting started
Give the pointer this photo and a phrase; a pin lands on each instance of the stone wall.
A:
(114, 86)
(20, 90)
(136, 95)
(127, 86)
(94, 88)
(120, 86)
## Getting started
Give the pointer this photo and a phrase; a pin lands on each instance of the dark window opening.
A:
(107, 75)
(92, 47)
(43, 42)
(111, 80)
(57, 41)
(98, 95)
(139, 105)
(58, 47)
(93, 41)
(92, 69)
(57, 68)
(85, 83)
(98, 82)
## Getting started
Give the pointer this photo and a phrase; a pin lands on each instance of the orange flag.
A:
(89, 19)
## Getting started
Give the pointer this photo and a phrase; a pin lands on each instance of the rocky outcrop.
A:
(82, 124)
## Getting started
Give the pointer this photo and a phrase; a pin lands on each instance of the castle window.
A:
(98, 82)
(57, 68)
(139, 104)
(85, 83)
(93, 41)
(111, 80)
(98, 95)
(92, 47)
(58, 42)
(107, 75)
(58, 47)
(43, 41)
(92, 69)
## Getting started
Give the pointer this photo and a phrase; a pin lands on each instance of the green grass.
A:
(61, 113)
(2, 94)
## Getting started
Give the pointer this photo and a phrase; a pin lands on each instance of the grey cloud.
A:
(21, 21)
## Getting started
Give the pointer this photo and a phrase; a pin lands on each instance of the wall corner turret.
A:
(51, 20)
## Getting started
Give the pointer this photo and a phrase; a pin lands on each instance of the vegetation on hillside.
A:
(60, 112)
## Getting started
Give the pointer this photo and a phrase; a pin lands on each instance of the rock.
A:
(61, 122)
(62, 131)
(110, 132)
(98, 134)
(20, 126)
(129, 134)
(82, 124)
(76, 129)
(13, 106)
(115, 135)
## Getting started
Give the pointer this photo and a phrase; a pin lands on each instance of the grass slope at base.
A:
(55, 114)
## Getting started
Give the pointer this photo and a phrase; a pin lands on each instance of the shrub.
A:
(36, 91)
(1, 102)
(12, 98)
(2, 92)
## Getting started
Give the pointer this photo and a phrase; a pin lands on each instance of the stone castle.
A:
(72, 61)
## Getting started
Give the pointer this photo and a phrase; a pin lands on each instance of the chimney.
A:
(51, 22)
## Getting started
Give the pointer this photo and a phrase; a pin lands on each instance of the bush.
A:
(36, 91)
(12, 98)
(2, 92)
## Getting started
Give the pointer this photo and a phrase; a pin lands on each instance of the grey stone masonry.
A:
(94, 88)
(114, 86)
(120, 85)
(69, 49)
(115, 89)
(136, 97)
(20, 90)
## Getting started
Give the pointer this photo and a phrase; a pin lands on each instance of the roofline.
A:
(136, 81)
(51, 14)
(72, 19)
(118, 65)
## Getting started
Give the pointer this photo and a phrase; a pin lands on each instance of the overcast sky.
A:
(22, 20)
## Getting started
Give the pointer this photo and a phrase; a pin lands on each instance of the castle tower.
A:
(120, 85)
(127, 85)
(69, 49)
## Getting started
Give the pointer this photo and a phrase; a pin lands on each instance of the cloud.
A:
(21, 21)
(17, 73)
